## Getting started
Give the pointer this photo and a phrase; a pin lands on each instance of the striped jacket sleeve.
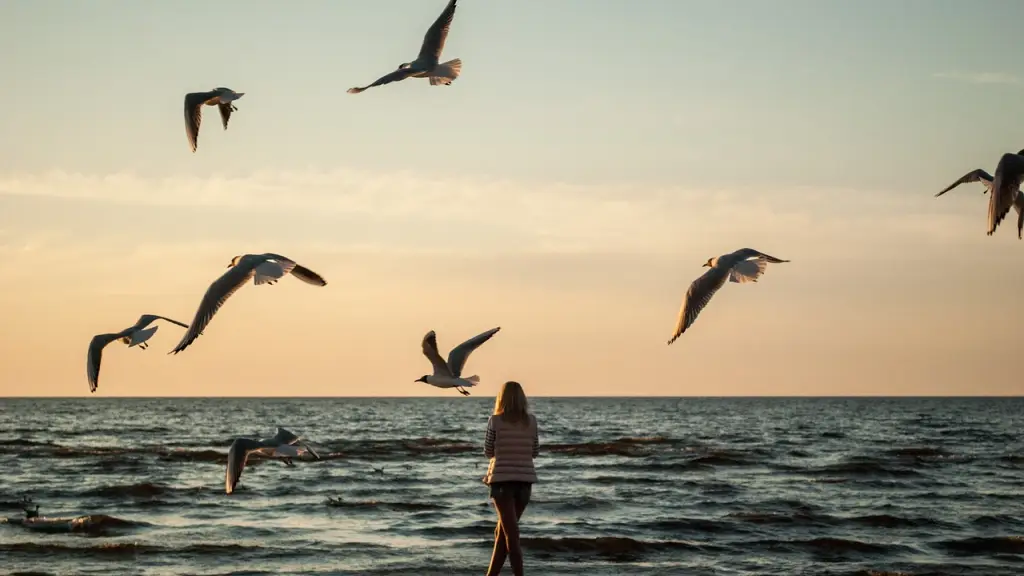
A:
(536, 441)
(489, 440)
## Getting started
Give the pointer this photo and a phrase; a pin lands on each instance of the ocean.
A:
(688, 486)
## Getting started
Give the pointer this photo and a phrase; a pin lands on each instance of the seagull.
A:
(1006, 190)
(426, 64)
(283, 445)
(378, 470)
(985, 178)
(262, 268)
(194, 101)
(449, 375)
(133, 336)
(735, 267)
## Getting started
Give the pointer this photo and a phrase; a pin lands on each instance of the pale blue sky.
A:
(671, 91)
(620, 140)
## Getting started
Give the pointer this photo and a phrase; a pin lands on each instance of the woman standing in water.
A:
(511, 444)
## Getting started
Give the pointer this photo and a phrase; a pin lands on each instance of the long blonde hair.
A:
(511, 404)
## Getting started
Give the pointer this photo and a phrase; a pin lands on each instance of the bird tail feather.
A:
(474, 379)
(140, 336)
(446, 72)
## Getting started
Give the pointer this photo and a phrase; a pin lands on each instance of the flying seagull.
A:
(1005, 190)
(194, 101)
(449, 375)
(283, 445)
(262, 268)
(985, 178)
(736, 267)
(426, 64)
(133, 336)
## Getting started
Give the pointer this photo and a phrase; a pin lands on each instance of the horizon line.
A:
(710, 397)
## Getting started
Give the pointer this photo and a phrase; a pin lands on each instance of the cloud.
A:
(362, 211)
(982, 77)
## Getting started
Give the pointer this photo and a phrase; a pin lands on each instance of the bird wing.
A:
(978, 175)
(458, 356)
(433, 40)
(400, 74)
(216, 295)
(95, 356)
(748, 270)
(745, 253)
(147, 319)
(225, 113)
(238, 454)
(697, 297)
(284, 437)
(301, 272)
(308, 276)
(194, 115)
(430, 351)
(1007, 181)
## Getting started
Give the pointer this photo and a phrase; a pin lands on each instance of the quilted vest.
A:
(513, 452)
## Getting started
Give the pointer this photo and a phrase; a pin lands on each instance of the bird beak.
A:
(704, 265)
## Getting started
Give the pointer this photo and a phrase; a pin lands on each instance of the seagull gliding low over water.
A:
(194, 101)
(736, 267)
(132, 336)
(262, 268)
(449, 375)
(283, 445)
(985, 178)
(426, 64)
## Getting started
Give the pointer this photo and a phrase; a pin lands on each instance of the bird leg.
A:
(462, 390)
(288, 462)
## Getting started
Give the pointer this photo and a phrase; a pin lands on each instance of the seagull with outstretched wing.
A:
(135, 335)
(742, 266)
(427, 64)
(449, 374)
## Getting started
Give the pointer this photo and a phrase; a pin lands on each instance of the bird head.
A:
(404, 65)
(421, 379)
(709, 264)
(1021, 153)
(234, 261)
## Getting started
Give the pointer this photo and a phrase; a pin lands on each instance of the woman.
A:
(511, 444)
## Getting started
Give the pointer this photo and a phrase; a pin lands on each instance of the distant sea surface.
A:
(844, 487)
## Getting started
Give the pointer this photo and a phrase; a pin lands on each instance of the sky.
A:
(567, 187)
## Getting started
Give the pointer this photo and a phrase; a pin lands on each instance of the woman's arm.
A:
(489, 440)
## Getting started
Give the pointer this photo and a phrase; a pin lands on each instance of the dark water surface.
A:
(865, 487)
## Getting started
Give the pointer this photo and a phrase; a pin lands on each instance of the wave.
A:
(146, 491)
(834, 547)
(986, 545)
(131, 551)
(626, 446)
(94, 525)
(377, 505)
(863, 467)
(141, 490)
(611, 547)
(918, 452)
